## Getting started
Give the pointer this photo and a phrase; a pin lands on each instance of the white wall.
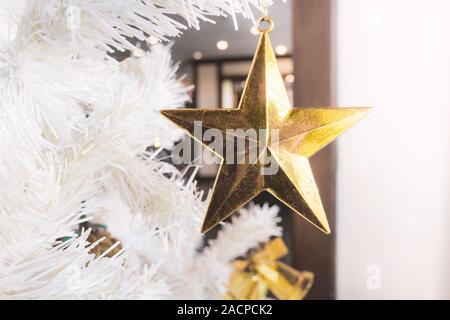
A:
(393, 170)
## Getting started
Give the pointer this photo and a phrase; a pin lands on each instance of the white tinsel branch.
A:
(109, 25)
(75, 127)
(68, 271)
(257, 223)
(252, 227)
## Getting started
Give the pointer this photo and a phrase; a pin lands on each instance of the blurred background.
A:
(385, 183)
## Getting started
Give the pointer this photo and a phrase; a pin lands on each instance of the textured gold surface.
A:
(302, 133)
(254, 277)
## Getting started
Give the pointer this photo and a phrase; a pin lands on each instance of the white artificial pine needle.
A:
(75, 125)
(109, 249)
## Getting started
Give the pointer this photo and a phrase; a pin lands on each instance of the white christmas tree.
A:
(75, 131)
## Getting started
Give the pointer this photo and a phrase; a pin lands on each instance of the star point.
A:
(301, 132)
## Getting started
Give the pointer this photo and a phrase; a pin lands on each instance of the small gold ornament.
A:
(260, 274)
(98, 231)
(301, 132)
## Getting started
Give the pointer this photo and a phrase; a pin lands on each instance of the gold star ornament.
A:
(292, 136)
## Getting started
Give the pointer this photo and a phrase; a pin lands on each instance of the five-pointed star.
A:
(301, 133)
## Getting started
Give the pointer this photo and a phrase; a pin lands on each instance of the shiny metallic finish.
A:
(301, 133)
(253, 278)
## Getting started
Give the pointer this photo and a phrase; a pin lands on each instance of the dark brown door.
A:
(313, 56)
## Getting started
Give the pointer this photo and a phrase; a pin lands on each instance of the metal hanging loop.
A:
(264, 24)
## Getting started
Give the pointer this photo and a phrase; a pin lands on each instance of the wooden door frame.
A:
(313, 25)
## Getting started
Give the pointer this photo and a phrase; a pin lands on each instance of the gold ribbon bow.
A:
(254, 277)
